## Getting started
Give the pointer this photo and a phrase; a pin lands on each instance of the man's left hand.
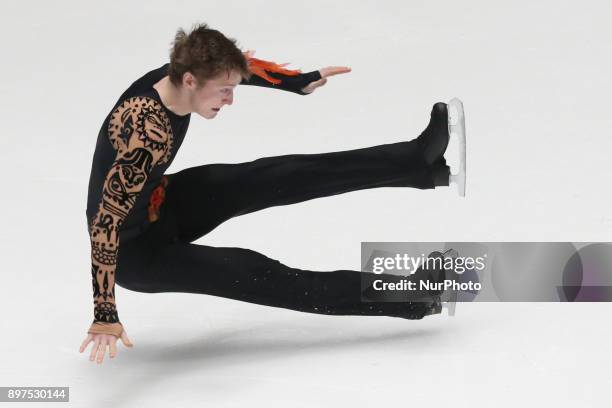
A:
(325, 73)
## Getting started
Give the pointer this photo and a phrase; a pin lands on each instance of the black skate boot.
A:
(434, 274)
(447, 120)
(441, 173)
(434, 139)
(422, 308)
(435, 307)
(436, 277)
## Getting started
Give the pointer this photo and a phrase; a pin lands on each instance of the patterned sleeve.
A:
(140, 132)
(272, 75)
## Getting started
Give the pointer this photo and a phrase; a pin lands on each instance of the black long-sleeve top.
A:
(137, 142)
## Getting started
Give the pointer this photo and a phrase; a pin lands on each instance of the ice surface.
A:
(534, 79)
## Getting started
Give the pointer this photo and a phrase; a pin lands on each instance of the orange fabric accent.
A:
(259, 68)
(157, 198)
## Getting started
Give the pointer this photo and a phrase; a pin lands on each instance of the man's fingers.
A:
(94, 349)
(113, 348)
(331, 71)
(101, 342)
(325, 73)
(102, 350)
(320, 82)
(85, 342)
(314, 85)
(125, 340)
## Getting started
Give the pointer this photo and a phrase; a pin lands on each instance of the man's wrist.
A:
(98, 327)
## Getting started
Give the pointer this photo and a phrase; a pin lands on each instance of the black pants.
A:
(198, 199)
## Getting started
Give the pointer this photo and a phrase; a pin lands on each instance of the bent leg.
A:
(248, 276)
(203, 197)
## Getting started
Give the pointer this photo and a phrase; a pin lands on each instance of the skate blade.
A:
(451, 304)
(456, 128)
(450, 308)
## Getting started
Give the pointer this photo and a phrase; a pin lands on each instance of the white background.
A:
(535, 81)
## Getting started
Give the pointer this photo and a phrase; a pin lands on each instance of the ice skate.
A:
(436, 275)
(451, 296)
(446, 120)
(456, 127)
(436, 305)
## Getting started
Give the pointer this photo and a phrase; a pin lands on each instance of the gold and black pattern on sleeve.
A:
(140, 132)
(146, 116)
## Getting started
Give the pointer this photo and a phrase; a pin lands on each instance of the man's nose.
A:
(229, 100)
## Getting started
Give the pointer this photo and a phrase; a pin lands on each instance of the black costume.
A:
(142, 222)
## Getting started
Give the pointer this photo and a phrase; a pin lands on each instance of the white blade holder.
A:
(456, 128)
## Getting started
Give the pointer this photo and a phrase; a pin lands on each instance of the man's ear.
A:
(189, 81)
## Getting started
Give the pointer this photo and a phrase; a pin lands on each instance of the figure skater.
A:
(142, 222)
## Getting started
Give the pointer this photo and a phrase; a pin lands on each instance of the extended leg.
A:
(246, 275)
(203, 197)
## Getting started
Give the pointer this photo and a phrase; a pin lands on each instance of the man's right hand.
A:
(101, 342)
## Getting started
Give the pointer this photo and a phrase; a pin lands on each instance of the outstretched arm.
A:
(141, 135)
(272, 75)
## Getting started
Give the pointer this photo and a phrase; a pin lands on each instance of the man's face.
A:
(216, 92)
